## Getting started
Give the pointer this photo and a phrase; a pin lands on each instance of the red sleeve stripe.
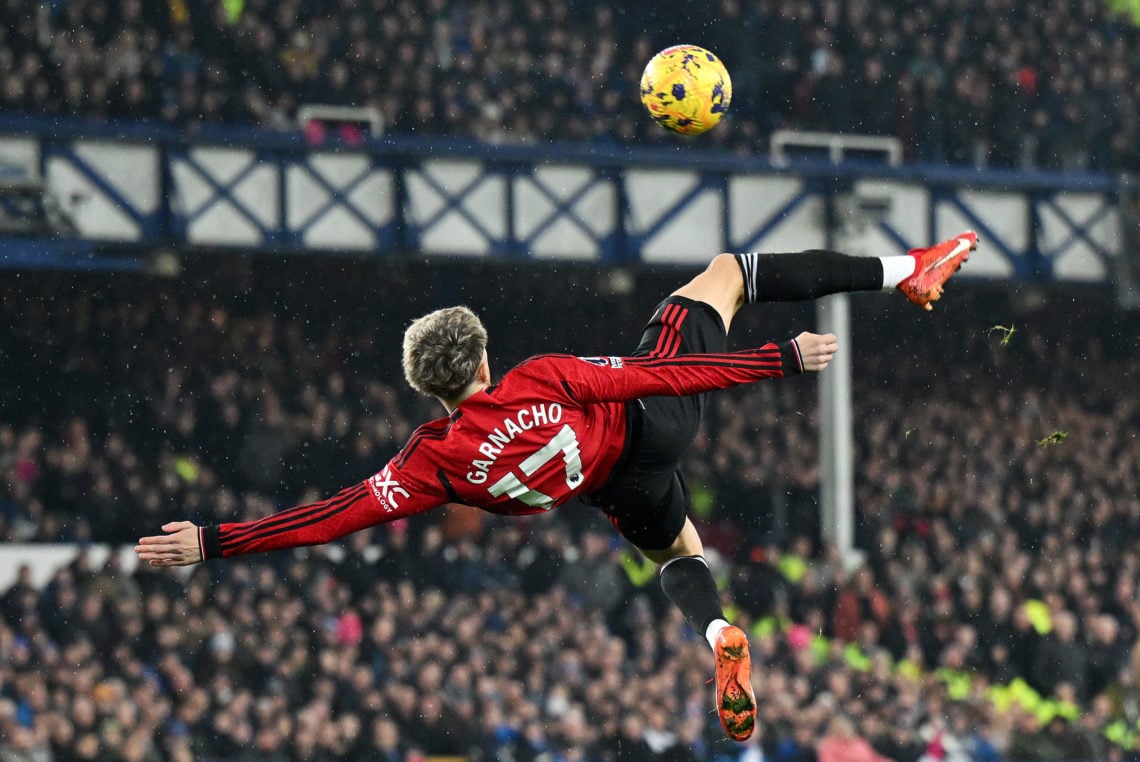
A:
(292, 520)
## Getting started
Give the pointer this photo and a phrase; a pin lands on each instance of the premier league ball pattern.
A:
(686, 89)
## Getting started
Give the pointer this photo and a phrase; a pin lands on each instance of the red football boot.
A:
(934, 265)
(735, 702)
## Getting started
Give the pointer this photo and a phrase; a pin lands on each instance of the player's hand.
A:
(180, 546)
(816, 350)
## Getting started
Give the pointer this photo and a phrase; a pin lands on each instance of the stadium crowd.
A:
(995, 618)
(1030, 83)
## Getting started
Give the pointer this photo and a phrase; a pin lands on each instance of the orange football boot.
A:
(735, 702)
(934, 266)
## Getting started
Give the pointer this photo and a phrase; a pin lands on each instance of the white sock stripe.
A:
(748, 266)
(753, 267)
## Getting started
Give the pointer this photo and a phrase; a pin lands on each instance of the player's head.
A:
(443, 351)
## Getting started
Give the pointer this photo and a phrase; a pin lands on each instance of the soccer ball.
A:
(686, 89)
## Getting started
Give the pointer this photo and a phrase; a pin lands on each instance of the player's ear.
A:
(483, 375)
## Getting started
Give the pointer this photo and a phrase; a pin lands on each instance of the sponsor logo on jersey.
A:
(603, 362)
(386, 489)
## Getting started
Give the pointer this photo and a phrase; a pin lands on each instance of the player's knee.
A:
(729, 276)
(720, 284)
(728, 273)
(721, 279)
(726, 266)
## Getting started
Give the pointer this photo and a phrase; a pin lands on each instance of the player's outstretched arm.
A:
(385, 496)
(180, 546)
(618, 379)
(816, 350)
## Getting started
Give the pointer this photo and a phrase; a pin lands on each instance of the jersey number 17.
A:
(566, 442)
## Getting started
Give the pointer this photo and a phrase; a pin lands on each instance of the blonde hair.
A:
(443, 351)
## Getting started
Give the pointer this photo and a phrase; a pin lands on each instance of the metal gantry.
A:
(136, 186)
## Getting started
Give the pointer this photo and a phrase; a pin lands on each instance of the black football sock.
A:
(807, 275)
(688, 582)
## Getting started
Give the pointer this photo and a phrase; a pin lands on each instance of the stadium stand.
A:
(996, 616)
(997, 83)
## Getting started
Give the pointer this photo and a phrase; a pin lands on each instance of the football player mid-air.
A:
(608, 430)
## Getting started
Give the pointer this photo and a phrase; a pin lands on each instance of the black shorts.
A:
(646, 498)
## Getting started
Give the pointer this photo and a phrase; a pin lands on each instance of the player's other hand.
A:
(816, 350)
(180, 546)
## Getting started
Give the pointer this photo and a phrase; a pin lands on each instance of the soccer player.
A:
(608, 430)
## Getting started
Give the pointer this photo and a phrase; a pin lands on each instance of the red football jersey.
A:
(552, 428)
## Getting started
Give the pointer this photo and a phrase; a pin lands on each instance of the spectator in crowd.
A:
(312, 654)
(843, 744)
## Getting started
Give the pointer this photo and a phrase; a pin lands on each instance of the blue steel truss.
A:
(223, 191)
(149, 223)
(481, 206)
(563, 209)
(338, 198)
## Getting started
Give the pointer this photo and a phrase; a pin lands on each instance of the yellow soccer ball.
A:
(686, 89)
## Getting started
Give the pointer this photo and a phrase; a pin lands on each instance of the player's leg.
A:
(919, 274)
(688, 583)
(647, 501)
(732, 280)
(650, 510)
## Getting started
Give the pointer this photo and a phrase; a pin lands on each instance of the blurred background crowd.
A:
(996, 614)
(963, 82)
(998, 496)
